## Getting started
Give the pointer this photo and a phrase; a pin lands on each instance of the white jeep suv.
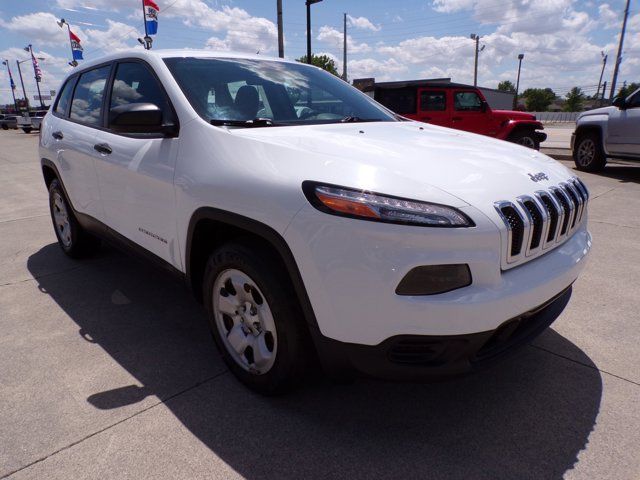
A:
(607, 132)
(309, 220)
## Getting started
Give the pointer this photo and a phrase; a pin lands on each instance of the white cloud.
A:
(608, 18)
(335, 39)
(118, 36)
(39, 28)
(362, 23)
(370, 67)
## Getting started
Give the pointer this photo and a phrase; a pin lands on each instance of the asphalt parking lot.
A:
(107, 370)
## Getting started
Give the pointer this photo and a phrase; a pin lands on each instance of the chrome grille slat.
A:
(542, 221)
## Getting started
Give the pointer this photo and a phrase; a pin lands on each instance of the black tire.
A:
(292, 356)
(526, 138)
(27, 129)
(78, 243)
(5, 126)
(588, 154)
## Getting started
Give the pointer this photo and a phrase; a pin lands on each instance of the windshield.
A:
(277, 93)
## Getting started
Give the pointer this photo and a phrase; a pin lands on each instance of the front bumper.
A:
(351, 268)
(414, 358)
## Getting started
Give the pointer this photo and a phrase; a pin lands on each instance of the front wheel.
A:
(526, 138)
(255, 318)
(5, 126)
(27, 129)
(588, 154)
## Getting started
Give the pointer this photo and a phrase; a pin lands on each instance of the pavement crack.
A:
(603, 193)
(614, 224)
(108, 427)
(24, 218)
(25, 280)
(592, 367)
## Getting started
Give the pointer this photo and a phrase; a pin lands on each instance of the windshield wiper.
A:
(256, 122)
(352, 119)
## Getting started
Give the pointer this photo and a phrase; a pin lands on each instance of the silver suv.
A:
(607, 132)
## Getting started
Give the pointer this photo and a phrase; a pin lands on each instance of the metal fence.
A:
(557, 117)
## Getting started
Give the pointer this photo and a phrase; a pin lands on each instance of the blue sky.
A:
(405, 39)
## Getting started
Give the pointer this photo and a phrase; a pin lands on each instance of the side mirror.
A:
(140, 118)
(620, 103)
(484, 106)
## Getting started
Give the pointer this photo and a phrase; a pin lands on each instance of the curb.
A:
(558, 153)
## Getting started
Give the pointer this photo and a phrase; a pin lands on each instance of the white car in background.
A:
(310, 220)
(30, 121)
(607, 132)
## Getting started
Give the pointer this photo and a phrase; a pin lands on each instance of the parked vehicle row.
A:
(310, 221)
(30, 121)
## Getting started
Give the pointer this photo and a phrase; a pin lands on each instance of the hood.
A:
(411, 160)
(598, 111)
(514, 115)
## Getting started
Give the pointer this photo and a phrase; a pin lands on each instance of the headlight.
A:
(371, 206)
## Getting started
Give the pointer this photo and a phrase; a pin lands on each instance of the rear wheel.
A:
(27, 129)
(72, 238)
(588, 154)
(5, 126)
(255, 318)
(526, 138)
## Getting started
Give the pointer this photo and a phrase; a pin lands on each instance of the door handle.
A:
(457, 119)
(57, 135)
(103, 148)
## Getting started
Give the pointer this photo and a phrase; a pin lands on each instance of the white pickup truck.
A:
(607, 132)
(30, 121)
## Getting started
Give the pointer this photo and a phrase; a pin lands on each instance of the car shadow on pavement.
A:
(528, 417)
(623, 173)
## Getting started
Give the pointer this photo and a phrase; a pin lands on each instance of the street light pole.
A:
(309, 3)
(24, 92)
(11, 84)
(515, 99)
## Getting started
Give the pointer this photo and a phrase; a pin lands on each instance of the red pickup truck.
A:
(458, 106)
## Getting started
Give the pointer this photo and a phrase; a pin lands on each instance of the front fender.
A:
(511, 125)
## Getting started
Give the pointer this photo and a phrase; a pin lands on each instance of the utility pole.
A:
(344, 54)
(515, 99)
(24, 92)
(280, 34)
(604, 64)
(604, 89)
(475, 37)
(309, 3)
(619, 57)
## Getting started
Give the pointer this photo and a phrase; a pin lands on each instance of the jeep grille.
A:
(546, 219)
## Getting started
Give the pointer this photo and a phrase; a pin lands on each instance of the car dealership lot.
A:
(107, 370)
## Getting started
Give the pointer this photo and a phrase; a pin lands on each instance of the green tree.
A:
(574, 100)
(323, 61)
(624, 92)
(506, 86)
(538, 99)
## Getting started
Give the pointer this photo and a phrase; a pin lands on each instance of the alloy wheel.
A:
(586, 152)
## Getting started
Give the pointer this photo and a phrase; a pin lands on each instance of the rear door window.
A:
(467, 102)
(431, 101)
(86, 106)
(64, 99)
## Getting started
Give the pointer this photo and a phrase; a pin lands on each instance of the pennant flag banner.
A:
(76, 48)
(151, 16)
(11, 82)
(36, 67)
